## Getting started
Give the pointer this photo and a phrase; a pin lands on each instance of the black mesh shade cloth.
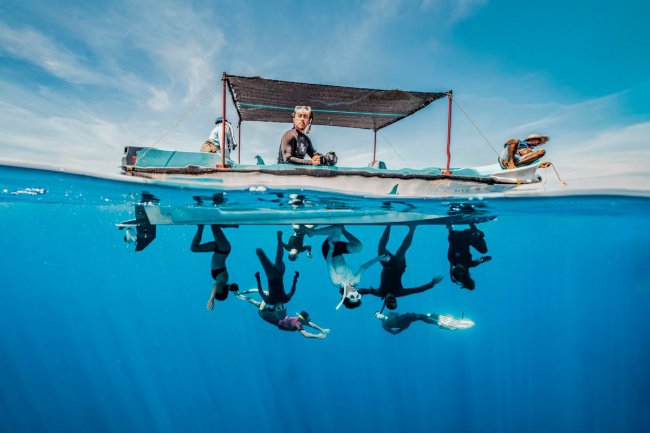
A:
(262, 100)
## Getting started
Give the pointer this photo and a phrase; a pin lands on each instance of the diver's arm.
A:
(394, 331)
(293, 286)
(286, 247)
(315, 326)
(427, 286)
(263, 295)
(213, 294)
(363, 268)
(310, 335)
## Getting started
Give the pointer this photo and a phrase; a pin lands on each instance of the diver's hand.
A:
(320, 335)
(296, 275)
(485, 259)
(210, 304)
(385, 258)
(436, 280)
(315, 160)
(257, 275)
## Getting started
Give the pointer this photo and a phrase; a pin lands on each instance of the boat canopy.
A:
(263, 100)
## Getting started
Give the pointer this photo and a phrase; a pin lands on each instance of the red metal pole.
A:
(239, 142)
(447, 172)
(223, 125)
(374, 148)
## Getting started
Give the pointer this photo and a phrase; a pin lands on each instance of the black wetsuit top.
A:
(293, 148)
(459, 253)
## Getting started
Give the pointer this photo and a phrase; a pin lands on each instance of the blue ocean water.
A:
(97, 337)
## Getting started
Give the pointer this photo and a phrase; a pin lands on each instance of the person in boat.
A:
(340, 273)
(296, 243)
(213, 143)
(393, 268)
(460, 256)
(395, 323)
(220, 249)
(295, 144)
(277, 315)
(518, 153)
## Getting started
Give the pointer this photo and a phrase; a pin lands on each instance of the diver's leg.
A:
(278, 252)
(406, 243)
(383, 241)
(354, 244)
(266, 263)
(531, 157)
(430, 318)
(220, 238)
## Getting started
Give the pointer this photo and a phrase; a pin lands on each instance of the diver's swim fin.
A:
(451, 324)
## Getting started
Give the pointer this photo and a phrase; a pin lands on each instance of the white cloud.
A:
(32, 46)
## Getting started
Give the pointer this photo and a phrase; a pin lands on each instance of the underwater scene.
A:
(124, 310)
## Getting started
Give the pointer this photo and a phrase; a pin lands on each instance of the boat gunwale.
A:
(194, 170)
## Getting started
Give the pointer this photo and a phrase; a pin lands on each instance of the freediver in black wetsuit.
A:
(390, 286)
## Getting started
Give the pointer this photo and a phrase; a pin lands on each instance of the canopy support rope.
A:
(391, 146)
(476, 127)
(196, 102)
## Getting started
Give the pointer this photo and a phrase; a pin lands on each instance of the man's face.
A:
(534, 141)
(301, 120)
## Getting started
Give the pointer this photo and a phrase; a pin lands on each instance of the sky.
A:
(78, 82)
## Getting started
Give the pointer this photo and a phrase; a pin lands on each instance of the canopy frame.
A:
(344, 120)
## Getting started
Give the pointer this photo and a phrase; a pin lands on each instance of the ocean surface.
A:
(95, 336)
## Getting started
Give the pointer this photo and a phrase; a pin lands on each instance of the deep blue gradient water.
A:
(97, 337)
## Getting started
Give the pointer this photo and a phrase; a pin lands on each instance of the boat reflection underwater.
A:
(308, 218)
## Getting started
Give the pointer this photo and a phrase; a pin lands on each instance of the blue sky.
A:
(78, 82)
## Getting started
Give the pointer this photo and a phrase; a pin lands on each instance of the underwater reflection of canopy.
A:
(263, 100)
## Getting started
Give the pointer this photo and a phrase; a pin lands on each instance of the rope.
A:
(391, 146)
(196, 102)
(546, 165)
(455, 99)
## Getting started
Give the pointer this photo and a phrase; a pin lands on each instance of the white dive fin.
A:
(448, 322)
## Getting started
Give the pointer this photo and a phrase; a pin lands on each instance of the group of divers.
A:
(339, 242)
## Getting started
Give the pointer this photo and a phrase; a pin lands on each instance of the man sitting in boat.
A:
(213, 143)
(295, 144)
(518, 153)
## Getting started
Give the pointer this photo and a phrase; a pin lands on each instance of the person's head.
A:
(390, 301)
(304, 316)
(536, 139)
(293, 254)
(302, 117)
(352, 299)
(460, 275)
(234, 287)
(220, 291)
(218, 120)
